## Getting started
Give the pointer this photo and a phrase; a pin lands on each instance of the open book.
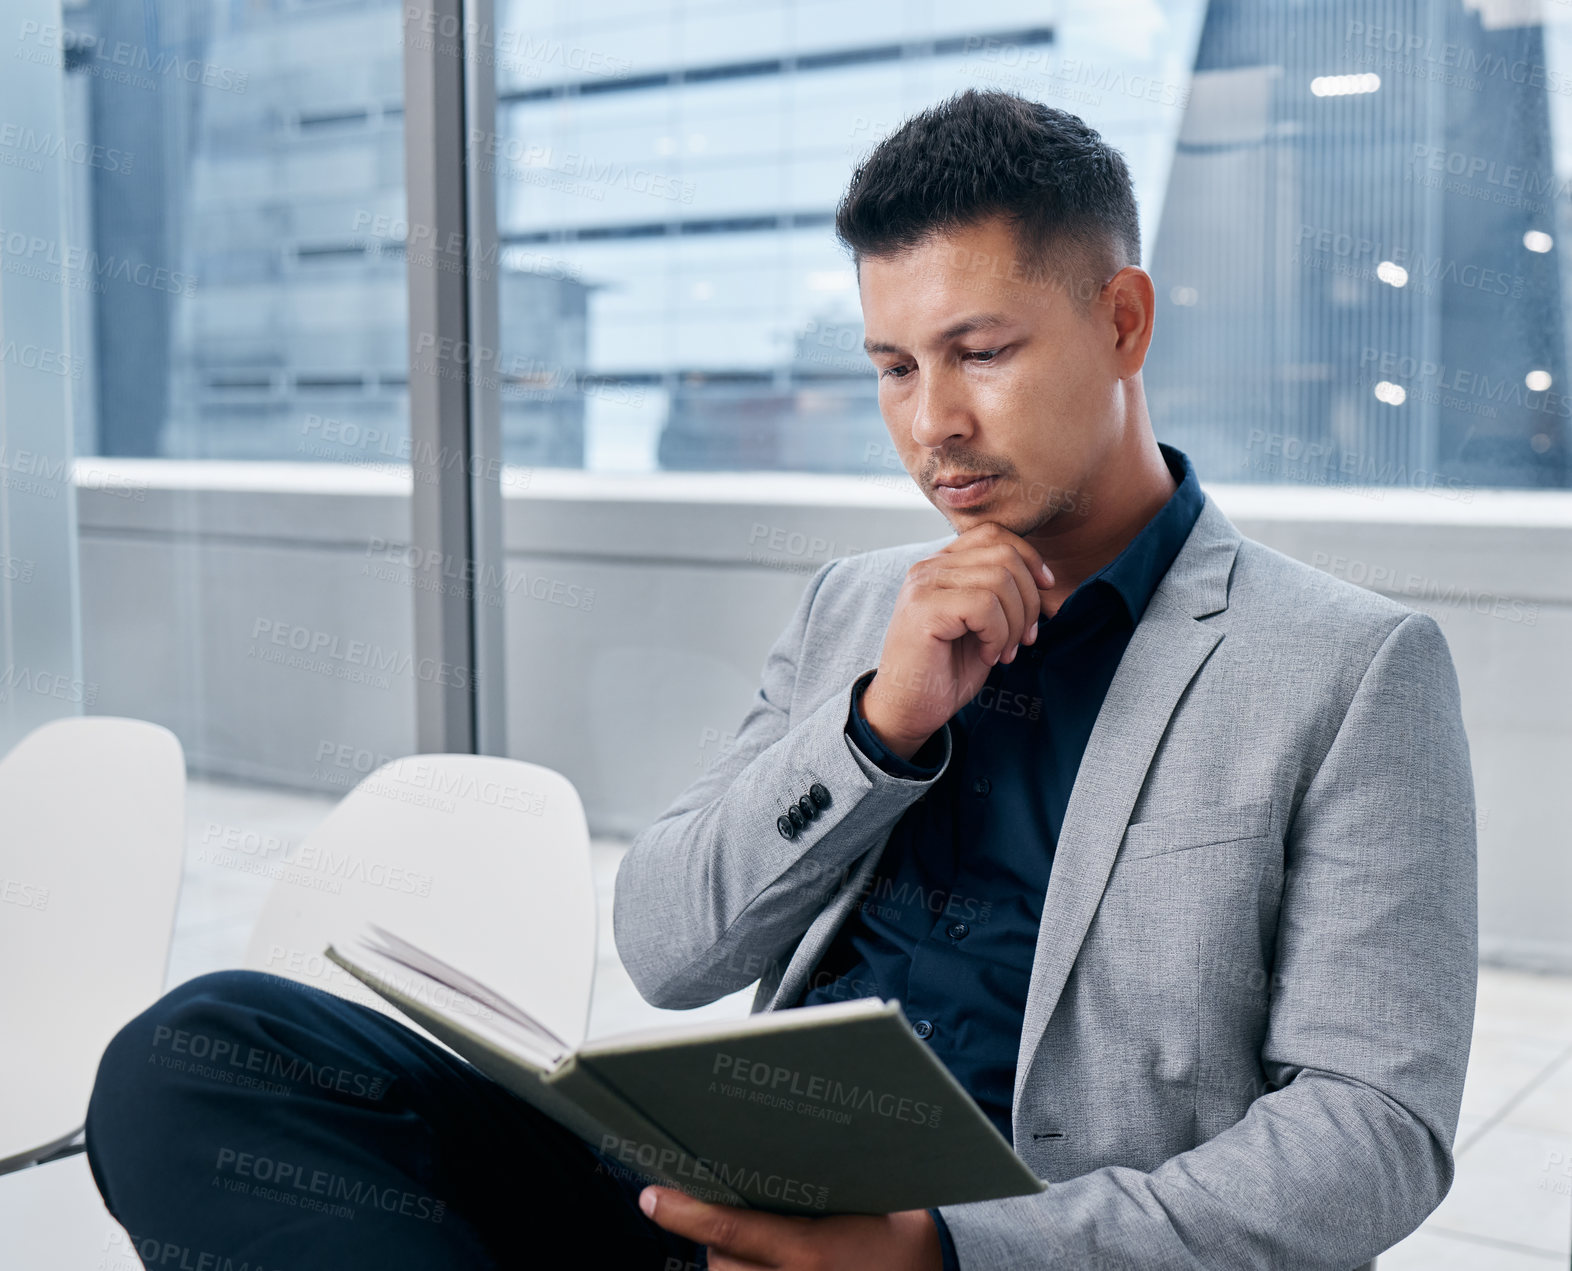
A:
(830, 1109)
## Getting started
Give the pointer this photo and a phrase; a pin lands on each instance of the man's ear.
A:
(1130, 302)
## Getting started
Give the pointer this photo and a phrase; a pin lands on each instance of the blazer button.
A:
(787, 829)
(982, 786)
(923, 1028)
(797, 818)
(809, 808)
(958, 931)
(819, 795)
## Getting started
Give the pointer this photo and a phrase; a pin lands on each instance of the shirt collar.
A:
(1135, 572)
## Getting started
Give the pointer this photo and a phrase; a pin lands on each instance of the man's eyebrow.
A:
(977, 322)
(967, 325)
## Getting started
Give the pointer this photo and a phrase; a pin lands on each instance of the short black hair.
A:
(982, 154)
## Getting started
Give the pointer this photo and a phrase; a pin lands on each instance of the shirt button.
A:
(923, 1028)
(958, 931)
(982, 786)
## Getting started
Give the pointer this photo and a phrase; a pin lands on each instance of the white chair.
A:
(92, 840)
(482, 862)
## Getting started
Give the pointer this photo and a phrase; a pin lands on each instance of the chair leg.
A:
(76, 1145)
(66, 1145)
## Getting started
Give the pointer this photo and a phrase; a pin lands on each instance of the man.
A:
(1164, 841)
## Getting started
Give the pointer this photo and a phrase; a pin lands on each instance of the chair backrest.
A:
(482, 862)
(92, 841)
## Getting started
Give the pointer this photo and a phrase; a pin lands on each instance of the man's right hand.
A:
(959, 612)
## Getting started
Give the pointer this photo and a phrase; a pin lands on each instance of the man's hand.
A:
(746, 1240)
(959, 612)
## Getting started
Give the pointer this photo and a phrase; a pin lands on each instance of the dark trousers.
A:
(249, 1123)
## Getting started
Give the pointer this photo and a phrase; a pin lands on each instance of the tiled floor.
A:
(1510, 1208)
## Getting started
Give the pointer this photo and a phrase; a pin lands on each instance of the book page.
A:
(661, 1036)
(421, 985)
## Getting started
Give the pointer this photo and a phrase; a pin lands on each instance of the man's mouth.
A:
(963, 489)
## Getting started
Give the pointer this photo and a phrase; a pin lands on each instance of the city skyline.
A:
(671, 294)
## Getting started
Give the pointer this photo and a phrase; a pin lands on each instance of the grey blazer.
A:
(1253, 988)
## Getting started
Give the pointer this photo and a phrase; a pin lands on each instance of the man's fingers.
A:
(738, 1233)
(725, 1262)
(1017, 557)
(1030, 590)
(991, 533)
(979, 611)
(996, 578)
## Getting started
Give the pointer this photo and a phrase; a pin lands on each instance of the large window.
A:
(221, 313)
(350, 407)
(1353, 214)
(667, 176)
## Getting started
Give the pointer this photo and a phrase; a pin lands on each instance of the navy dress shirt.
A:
(948, 923)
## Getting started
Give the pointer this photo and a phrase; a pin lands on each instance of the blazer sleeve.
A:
(712, 897)
(1368, 1034)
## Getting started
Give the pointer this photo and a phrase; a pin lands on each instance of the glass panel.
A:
(668, 174)
(1356, 255)
(1360, 251)
(227, 295)
(678, 321)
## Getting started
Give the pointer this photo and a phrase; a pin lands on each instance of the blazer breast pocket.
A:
(1204, 828)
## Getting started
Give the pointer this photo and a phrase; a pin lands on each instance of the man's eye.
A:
(896, 372)
(983, 355)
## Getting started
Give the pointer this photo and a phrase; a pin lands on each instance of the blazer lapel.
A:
(1166, 650)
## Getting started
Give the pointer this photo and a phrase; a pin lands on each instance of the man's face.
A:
(986, 373)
